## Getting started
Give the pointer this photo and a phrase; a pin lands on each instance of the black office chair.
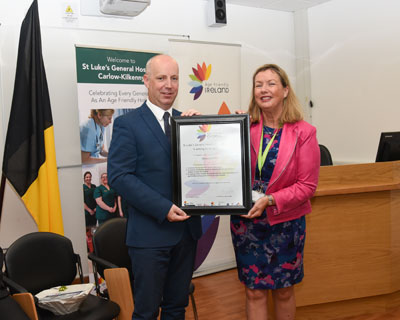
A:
(42, 260)
(110, 251)
(9, 308)
(326, 159)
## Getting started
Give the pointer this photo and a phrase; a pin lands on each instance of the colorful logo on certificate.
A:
(202, 73)
(202, 132)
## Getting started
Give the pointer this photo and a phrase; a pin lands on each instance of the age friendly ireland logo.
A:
(202, 73)
(202, 132)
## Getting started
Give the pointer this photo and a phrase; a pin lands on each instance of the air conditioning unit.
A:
(129, 8)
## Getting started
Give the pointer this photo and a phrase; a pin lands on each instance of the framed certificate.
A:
(211, 164)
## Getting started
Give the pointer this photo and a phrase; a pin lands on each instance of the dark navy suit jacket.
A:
(139, 169)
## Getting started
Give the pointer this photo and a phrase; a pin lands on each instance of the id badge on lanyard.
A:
(256, 194)
(262, 156)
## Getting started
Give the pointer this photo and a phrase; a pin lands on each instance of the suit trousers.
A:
(161, 279)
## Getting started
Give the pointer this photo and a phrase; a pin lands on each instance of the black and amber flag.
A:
(29, 161)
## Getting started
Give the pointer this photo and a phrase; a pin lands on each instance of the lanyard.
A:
(101, 134)
(262, 156)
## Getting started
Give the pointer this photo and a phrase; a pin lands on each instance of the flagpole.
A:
(2, 189)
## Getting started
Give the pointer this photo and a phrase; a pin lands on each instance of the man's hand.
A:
(190, 112)
(176, 214)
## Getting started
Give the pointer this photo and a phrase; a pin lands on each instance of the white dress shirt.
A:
(159, 113)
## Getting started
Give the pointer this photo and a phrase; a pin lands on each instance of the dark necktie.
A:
(167, 126)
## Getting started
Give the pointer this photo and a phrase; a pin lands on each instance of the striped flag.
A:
(29, 161)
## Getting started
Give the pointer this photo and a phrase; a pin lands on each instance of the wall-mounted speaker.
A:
(216, 15)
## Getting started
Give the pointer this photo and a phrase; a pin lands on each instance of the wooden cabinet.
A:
(352, 253)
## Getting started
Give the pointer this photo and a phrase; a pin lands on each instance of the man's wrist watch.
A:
(270, 200)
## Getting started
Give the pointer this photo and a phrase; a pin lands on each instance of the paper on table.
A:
(64, 302)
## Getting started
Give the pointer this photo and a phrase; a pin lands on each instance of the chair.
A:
(20, 306)
(326, 159)
(42, 260)
(27, 303)
(110, 252)
(109, 249)
(17, 307)
(120, 290)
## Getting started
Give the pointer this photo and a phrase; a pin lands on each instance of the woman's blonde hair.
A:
(292, 111)
(101, 112)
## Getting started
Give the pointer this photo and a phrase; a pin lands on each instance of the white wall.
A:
(355, 69)
(265, 35)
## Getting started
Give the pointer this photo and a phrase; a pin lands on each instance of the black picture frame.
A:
(177, 125)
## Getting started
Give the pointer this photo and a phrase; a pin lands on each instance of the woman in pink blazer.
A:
(285, 158)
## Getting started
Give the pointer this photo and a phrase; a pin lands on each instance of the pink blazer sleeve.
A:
(303, 171)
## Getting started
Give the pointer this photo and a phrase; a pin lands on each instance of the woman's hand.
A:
(91, 211)
(114, 209)
(240, 112)
(87, 159)
(121, 214)
(258, 208)
(105, 207)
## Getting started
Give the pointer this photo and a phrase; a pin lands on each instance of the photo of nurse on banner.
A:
(211, 164)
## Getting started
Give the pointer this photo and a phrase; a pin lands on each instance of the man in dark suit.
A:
(161, 237)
